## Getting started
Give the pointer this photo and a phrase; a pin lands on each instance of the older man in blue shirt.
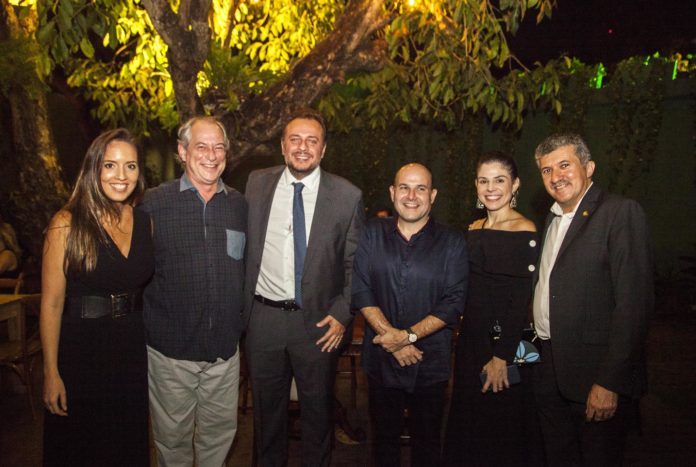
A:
(410, 278)
(193, 305)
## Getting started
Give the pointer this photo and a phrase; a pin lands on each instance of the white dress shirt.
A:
(552, 243)
(277, 274)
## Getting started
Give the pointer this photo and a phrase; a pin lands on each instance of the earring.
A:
(513, 201)
(479, 204)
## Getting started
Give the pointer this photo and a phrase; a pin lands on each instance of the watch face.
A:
(412, 337)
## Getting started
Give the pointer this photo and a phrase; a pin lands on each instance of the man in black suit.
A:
(304, 225)
(592, 298)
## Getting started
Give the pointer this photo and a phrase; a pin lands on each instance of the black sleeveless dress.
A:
(103, 364)
(494, 429)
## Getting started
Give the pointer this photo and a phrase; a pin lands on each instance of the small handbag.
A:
(527, 352)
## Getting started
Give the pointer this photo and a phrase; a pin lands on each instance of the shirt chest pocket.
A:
(235, 244)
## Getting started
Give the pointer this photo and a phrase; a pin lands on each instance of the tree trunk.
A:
(187, 36)
(40, 189)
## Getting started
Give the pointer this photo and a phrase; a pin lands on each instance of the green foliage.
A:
(230, 77)
(443, 57)
(274, 34)
(449, 58)
(578, 84)
(636, 90)
(633, 91)
(113, 55)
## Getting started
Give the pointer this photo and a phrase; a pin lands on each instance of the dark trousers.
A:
(425, 409)
(278, 349)
(568, 439)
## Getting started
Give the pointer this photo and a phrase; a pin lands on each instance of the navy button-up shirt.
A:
(409, 280)
(193, 304)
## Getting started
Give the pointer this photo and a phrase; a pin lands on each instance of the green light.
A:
(599, 76)
(675, 69)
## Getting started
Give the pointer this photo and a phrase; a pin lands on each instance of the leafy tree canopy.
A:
(366, 63)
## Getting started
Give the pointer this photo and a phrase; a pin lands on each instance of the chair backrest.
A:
(31, 308)
(18, 352)
(12, 285)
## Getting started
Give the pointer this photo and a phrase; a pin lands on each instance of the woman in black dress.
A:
(97, 256)
(492, 420)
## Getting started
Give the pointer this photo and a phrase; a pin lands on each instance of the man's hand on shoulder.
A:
(332, 338)
(601, 404)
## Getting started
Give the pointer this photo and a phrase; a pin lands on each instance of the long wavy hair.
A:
(89, 206)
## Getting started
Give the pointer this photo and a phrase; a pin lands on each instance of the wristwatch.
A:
(412, 336)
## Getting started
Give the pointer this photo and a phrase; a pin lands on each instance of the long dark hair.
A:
(89, 206)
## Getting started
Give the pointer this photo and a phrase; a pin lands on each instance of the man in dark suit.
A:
(304, 228)
(592, 298)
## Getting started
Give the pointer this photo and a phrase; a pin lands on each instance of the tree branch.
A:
(187, 36)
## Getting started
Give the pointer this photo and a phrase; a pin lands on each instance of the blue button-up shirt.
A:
(409, 280)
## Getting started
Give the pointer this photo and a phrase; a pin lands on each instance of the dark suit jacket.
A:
(601, 293)
(333, 238)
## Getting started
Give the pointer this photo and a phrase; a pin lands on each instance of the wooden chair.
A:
(352, 352)
(13, 286)
(18, 355)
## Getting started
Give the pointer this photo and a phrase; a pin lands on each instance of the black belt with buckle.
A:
(114, 305)
(285, 305)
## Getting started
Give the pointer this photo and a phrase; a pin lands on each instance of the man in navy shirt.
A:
(410, 278)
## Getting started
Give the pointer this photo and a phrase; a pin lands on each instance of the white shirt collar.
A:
(311, 181)
(557, 210)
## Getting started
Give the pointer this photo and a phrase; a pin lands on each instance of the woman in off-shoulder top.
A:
(492, 419)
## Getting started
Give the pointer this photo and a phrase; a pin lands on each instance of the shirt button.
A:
(531, 268)
(532, 243)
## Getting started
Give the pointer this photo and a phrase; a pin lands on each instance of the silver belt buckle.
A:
(120, 305)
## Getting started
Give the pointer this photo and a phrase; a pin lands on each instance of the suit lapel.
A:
(587, 207)
(322, 212)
